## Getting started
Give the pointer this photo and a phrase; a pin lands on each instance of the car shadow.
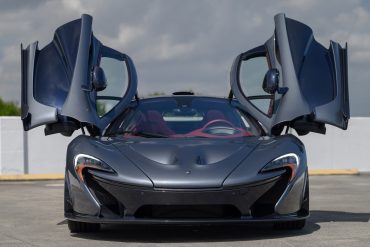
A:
(319, 216)
(186, 234)
(224, 233)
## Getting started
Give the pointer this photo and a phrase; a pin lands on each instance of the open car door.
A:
(75, 81)
(292, 80)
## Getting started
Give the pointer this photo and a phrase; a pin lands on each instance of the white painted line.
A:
(54, 185)
(16, 182)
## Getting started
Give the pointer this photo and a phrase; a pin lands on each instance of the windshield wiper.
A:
(143, 134)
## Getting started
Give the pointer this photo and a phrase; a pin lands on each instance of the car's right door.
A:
(292, 80)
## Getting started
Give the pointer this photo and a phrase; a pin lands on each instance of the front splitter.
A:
(133, 220)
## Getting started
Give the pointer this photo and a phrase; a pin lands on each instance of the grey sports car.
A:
(183, 158)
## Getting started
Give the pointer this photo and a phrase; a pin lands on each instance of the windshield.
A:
(182, 117)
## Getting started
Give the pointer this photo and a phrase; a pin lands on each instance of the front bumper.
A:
(120, 203)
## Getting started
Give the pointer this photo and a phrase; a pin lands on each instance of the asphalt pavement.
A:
(31, 214)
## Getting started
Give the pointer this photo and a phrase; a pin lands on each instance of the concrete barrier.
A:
(34, 153)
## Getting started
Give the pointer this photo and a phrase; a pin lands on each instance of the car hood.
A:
(186, 163)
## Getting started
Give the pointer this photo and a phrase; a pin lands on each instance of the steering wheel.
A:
(217, 121)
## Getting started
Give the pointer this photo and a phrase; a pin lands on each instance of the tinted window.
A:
(117, 81)
(252, 73)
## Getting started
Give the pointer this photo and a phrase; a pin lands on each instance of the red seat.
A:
(156, 124)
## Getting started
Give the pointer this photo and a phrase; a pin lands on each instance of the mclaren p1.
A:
(185, 158)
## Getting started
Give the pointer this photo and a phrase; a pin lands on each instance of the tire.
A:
(82, 227)
(290, 225)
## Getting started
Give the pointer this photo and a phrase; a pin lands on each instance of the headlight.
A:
(83, 161)
(290, 161)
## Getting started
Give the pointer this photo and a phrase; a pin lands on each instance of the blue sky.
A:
(180, 45)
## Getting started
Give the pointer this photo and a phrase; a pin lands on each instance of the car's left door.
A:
(63, 82)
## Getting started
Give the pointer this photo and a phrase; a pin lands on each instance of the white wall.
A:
(46, 154)
(340, 149)
(11, 145)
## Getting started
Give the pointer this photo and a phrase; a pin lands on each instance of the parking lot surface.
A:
(31, 214)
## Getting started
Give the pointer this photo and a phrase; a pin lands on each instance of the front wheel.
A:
(79, 227)
(290, 225)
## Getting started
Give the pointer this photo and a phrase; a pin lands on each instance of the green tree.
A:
(101, 108)
(153, 94)
(9, 109)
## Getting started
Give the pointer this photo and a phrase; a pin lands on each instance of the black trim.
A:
(109, 98)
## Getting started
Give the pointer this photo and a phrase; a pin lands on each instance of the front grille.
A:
(188, 212)
(148, 203)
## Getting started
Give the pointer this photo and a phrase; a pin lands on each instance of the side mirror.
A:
(99, 81)
(271, 81)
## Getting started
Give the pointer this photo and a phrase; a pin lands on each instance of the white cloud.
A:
(166, 49)
(78, 6)
(186, 44)
(124, 37)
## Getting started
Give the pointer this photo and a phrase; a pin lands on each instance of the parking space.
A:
(31, 214)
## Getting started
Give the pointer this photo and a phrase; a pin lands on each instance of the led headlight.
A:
(290, 161)
(83, 161)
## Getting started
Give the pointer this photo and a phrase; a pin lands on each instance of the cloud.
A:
(179, 45)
